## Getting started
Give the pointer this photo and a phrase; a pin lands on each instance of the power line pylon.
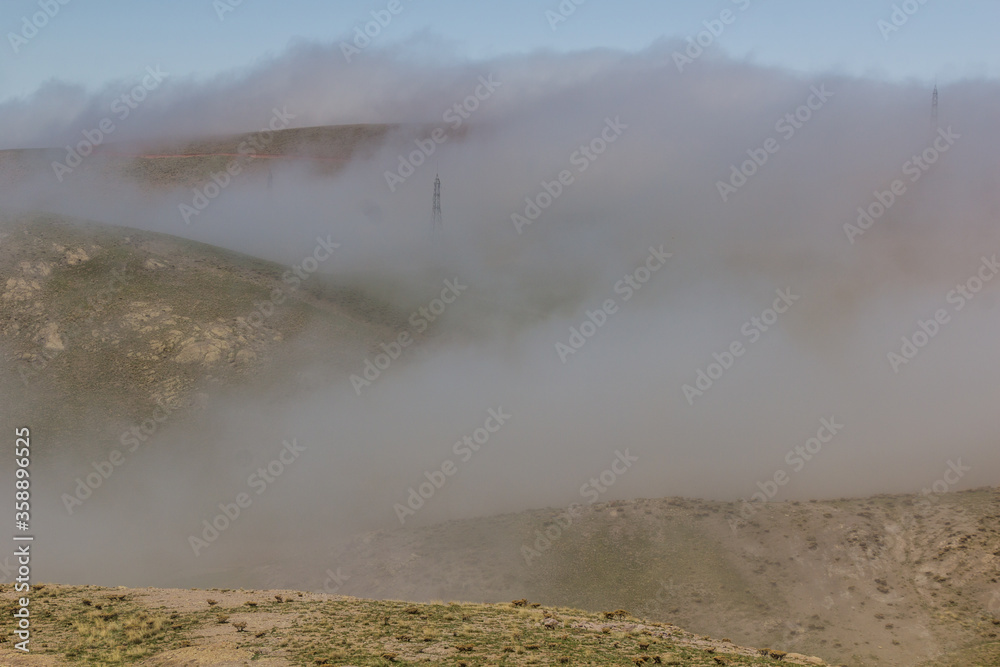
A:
(437, 222)
(934, 108)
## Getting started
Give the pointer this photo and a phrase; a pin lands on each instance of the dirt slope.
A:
(889, 580)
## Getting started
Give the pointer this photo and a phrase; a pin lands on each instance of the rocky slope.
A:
(888, 580)
(100, 326)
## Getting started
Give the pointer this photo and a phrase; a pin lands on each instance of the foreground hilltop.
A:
(170, 627)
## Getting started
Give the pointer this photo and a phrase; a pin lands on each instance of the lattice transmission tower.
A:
(934, 109)
(437, 220)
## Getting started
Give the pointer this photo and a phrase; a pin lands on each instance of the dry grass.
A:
(315, 630)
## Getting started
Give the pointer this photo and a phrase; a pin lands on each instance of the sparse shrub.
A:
(260, 634)
(240, 626)
(532, 647)
(643, 647)
(412, 610)
(777, 655)
(563, 660)
(391, 657)
(212, 603)
(523, 602)
(250, 603)
(465, 648)
(85, 602)
(279, 598)
(222, 618)
(620, 613)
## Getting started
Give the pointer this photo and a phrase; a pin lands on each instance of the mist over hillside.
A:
(730, 282)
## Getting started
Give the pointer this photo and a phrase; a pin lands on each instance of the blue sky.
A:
(97, 41)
